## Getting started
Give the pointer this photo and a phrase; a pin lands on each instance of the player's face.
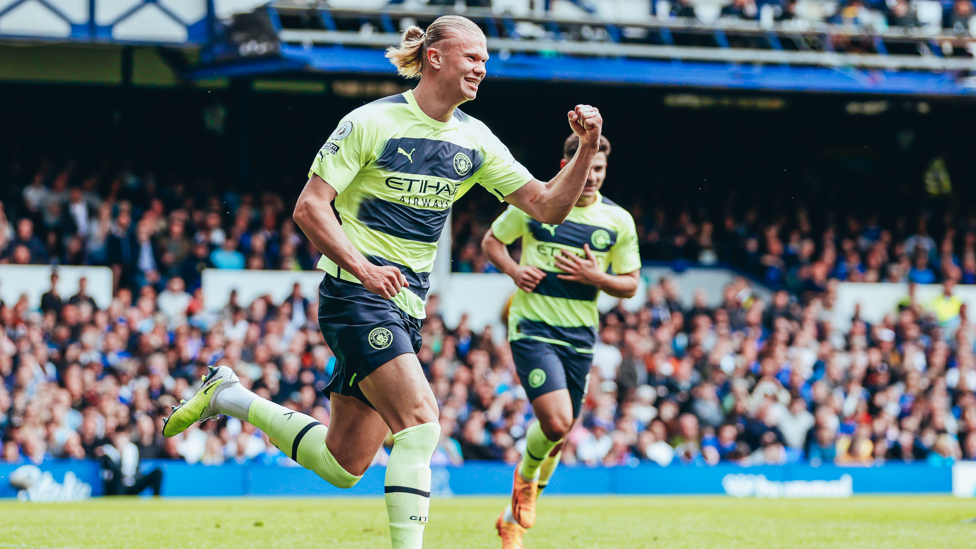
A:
(595, 178)
(464, 64)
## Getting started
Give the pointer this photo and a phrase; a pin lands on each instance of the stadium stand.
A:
(747, 382)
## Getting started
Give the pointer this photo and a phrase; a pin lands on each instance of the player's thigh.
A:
(577, 367)
(400, 393)
(356, 433)
(543, 377)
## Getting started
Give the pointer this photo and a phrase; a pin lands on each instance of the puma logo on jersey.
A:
(550, 228)
(409, 155)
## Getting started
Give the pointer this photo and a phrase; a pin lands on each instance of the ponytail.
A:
(408, 57)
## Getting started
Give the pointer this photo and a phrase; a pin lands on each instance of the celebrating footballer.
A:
(393, 168)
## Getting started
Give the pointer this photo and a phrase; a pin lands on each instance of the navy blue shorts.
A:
(364, 332)
(545, 367)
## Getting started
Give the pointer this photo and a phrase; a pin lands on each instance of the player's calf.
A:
(401, 395)
(302, 438)
(408, 484)
(548, 466)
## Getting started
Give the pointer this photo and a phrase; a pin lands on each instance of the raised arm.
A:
(314, 215)
(551, 202)
(525, 276)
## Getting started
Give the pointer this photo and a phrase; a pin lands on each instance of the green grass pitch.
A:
(564, 522)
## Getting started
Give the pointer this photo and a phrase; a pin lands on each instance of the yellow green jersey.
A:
(397, 172)
(561, 311)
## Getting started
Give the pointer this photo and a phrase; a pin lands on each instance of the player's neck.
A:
(434, 104)
(586, 201)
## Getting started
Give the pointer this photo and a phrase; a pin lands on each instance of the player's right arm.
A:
(313, 213)
(546, 202)
(525, 276)
(505, 230)
(334, 168)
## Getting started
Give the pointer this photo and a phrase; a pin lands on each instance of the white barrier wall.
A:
(879, 299)
(964, 479)
(713, 281)
(481, 296)
(250, 285)
(35, 280)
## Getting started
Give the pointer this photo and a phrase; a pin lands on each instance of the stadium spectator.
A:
(51, 299)
(191, 270)
(122, 249)
(958, 17)
(25, 240)
(787, 12)
(901, 14)
(174, 301)
(682, 8)
(82, 295)
(120, 468)
(741, 9)
(853, 13)
(228, 257)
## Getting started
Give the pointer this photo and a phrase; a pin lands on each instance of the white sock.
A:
(507, 517)
(234, 401)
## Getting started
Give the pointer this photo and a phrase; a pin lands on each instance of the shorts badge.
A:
(536, 378)
(380, 338)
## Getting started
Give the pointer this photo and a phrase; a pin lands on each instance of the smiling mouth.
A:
(472, 81)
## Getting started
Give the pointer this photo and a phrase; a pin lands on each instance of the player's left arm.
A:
(587, 271)
(551, 202)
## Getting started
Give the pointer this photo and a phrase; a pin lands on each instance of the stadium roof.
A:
(649, 72)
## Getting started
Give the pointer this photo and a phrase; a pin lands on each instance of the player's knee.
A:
(356, 468)
(340, 471)
(556, 427)
(416, 444)
(344, 483)
(426, 411)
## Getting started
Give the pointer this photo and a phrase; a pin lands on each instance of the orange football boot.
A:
(524, 494)
(511, 534)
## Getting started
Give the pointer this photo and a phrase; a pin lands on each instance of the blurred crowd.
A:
(787, 252)
(746, 381)
(147, 231)
(954, 15)
(724, 378)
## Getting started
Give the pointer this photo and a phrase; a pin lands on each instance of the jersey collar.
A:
(412, 101)
(599, 198)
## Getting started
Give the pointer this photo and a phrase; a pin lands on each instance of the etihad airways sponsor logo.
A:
(443, 189)
(425, 202)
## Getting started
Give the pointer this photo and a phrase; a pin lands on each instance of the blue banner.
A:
(54, 480)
